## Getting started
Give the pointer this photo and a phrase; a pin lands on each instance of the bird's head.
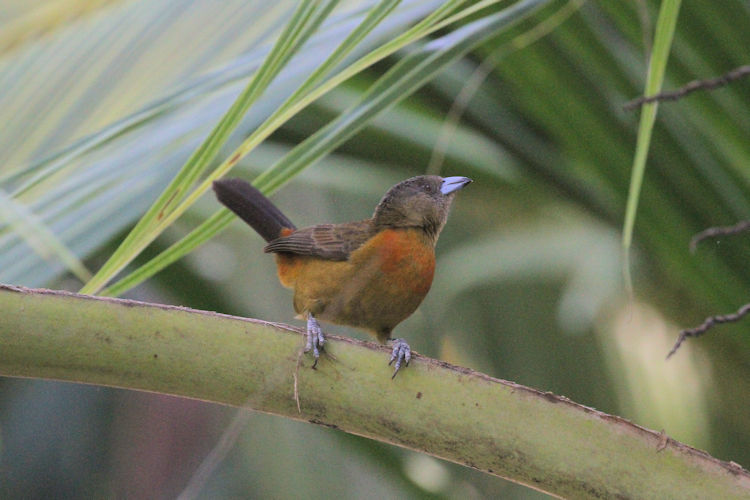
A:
(423, 201)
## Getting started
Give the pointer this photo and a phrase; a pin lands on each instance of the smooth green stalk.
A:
(535, 438)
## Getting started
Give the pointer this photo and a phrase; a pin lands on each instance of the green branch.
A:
(544, 441)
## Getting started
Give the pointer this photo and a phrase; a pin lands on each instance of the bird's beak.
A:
(451, 184)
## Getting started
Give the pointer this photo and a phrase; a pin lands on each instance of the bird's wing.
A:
(326, 241)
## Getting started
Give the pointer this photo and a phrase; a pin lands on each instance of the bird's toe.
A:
(401, 354)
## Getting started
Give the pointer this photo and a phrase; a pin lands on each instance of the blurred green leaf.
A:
(403, 79)
(38, 236)
(665, 26)
(304, 22)
(105, 179)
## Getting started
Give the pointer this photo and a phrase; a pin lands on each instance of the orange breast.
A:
(406, 258)
(379, 286)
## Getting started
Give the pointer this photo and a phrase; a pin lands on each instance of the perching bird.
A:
(370, 274)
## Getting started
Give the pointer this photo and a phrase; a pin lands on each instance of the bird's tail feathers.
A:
(253, 207)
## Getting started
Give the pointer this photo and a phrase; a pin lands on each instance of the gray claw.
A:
(315, 339)
(401, 353)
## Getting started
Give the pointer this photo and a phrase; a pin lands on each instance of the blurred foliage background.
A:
(103, 101)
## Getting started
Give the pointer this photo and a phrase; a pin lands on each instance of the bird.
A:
(369, 274)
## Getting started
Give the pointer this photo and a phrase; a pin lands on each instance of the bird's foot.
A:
(401, 354)
(315, 339)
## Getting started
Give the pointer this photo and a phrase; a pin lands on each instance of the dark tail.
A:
(252, 207)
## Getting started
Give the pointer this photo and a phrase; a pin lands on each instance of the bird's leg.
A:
(401, 353)
(315, 338)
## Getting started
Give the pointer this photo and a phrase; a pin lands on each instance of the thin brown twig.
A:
(707, 325)
(712, 232)
(673, 95)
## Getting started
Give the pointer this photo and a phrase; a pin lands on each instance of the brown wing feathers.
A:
(327, 241)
